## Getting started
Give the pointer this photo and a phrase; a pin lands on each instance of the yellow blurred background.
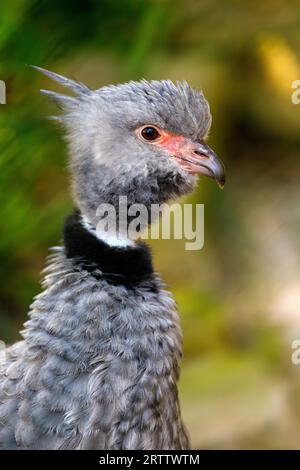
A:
(239, 297)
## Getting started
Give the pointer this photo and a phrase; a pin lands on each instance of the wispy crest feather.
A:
(77, 87)
(64, 102)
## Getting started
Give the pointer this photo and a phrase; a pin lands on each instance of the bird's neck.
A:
(128, 266)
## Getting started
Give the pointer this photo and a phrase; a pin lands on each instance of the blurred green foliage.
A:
(238, 296)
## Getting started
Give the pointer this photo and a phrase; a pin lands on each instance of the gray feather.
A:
(75, 86)
(73, 384)
(63, 101)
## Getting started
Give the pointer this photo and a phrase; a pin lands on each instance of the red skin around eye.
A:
(171, 142)
(174, 144)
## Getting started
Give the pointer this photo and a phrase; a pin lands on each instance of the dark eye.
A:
(150, 133)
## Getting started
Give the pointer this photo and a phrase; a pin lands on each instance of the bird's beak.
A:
(197, 157)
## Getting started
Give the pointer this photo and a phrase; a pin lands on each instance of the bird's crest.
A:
(64, 102)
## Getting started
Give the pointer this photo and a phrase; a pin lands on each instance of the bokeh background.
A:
(239, 296)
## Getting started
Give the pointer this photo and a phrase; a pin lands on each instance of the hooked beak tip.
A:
(220, 176)
(214, 164)
(221, 183)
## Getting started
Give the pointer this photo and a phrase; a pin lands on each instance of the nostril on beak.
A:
(200, 154)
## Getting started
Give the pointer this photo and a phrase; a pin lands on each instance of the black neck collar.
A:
(128, 266)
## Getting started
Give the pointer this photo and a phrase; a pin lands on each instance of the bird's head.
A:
(144, 140)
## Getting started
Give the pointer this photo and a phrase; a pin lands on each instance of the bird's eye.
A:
(150, 133)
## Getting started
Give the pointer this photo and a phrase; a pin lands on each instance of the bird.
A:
(99, 360)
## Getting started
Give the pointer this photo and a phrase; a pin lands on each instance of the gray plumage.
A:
(99, 362)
